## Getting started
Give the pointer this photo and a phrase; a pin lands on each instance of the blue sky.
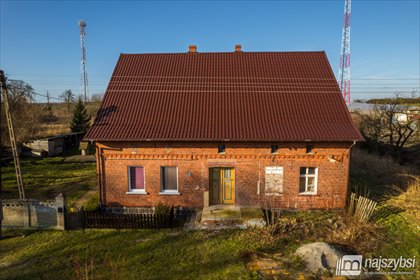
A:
(40, 43)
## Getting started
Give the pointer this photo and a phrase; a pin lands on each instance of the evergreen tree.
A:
(81, 119)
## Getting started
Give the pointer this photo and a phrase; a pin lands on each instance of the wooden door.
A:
(228, 186)
(215, 183)
(222, 186)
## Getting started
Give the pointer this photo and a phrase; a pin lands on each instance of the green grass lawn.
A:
(401, 224)
(131, 254)
(174, 254)
(45, 178)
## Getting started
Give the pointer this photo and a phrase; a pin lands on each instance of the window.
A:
(221, 149)
(169, 179)
(309, 148)
(274, 149)
(274, 179)
(136, 179)
(308, 180)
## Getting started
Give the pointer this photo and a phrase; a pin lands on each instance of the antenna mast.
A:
(344, 70)
(83, 70)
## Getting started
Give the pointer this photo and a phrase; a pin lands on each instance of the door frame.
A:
(221, 186)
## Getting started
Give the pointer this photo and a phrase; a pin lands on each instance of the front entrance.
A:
(222, 185)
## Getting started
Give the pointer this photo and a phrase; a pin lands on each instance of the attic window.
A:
(221, 149)
(310, 148)
(274, 149)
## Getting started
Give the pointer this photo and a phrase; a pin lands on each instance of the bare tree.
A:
(68, 98)
(19, 91)
(25, 115)
(389, 124)
(97, 98)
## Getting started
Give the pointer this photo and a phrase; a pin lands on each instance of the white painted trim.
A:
(307, 193)
(170, 193)
(306, 176)
(270, 169)
(137, 192)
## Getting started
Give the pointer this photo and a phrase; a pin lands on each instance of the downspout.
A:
(348, 173)
(99, 173)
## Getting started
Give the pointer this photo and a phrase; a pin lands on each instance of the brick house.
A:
(244, 128)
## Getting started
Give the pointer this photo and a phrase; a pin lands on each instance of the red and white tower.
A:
(344, 70)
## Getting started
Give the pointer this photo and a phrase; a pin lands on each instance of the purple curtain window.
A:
(137, 178)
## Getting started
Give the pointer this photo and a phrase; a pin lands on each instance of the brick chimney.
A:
(238, 48)
(192, 49)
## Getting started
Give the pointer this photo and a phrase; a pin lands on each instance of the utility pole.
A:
(48, 98)
(12, 135)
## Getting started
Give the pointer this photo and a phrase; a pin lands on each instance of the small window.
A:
(309, 148)
(308, 180)
(221, 149)
(274, 179)
(274, 149)
(169, 179)
(136, 178)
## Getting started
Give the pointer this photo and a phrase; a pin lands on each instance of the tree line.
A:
(29, 117)
(390, 128)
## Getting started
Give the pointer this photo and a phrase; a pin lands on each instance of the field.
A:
(45, 178)
(225, 254)
(59, 120)
(147, 254)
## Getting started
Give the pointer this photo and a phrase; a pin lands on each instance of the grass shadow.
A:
(386, 211)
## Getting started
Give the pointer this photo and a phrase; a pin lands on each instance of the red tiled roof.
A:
(238, 96)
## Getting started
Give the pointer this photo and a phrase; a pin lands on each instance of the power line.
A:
(47, 96)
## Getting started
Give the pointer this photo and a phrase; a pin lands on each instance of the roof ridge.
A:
(288, 96)
(232, 52)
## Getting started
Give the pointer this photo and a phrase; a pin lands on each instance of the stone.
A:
(259, 223)
(319, 257)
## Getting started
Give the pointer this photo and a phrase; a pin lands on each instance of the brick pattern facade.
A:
(249, 160)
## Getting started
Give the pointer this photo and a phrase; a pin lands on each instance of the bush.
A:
(162, 209)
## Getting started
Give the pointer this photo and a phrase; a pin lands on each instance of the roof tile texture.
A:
(238, 96)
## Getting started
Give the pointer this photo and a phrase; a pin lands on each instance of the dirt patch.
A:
(274, 266)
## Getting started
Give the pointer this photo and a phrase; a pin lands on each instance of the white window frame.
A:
(265, 189)
(136, 191)
(169, 192)
(306, 176)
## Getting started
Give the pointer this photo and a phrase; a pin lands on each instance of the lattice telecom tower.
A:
(344, 70)
(83, 70)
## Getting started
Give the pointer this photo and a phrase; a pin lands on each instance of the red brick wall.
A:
(248, 159)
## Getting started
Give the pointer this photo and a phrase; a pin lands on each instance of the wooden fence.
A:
(97, 219)
(361, 207)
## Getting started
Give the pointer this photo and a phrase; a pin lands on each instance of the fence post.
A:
(171, 216)
(61, 203)
(82, 212)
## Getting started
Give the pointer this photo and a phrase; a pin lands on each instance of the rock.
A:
(258, 223)
(319, 256)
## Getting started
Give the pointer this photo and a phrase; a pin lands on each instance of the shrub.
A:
(161, 209)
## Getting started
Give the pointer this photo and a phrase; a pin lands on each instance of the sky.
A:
(40, 40)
